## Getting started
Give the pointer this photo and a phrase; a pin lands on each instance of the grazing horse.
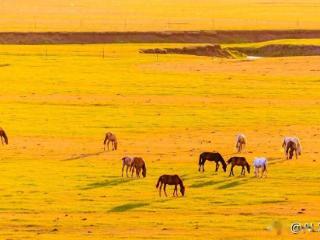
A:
(296, 140)
(212, 156)
(126, 161)
(290, 148)
(260, 162)
(241, 142)
(138, 164)
(4, 137)
(110, 137)
(238, 161)
(170, 180)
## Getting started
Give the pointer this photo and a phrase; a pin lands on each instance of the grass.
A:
(56, 181)
(158, 15)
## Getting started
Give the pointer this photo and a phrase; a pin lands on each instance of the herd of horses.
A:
(291, 146)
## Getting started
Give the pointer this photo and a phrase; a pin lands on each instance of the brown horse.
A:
(214, 157)
(238, 161)
(290, 148)
(241, 142)
(138, 164)
(170, 180)
(110, 137)
(4, 137)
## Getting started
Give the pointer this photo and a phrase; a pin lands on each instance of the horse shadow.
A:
(107, 183)
(207, 183)
(128, 207)
(233, 184)
(83, 155)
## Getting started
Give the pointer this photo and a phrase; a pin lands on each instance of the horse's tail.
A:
(144, 170)
(6, 140)
(158, 183)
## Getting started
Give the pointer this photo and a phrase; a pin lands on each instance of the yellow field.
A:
(57, 102)
(157, 15)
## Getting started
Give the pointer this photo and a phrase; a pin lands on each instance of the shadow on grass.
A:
(205, 184)
(107, 183)
(233, 184)
(128, 207)
(83, 155)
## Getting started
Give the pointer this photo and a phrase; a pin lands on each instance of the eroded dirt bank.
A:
(153, 37)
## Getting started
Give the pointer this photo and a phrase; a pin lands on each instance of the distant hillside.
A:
(153, 37)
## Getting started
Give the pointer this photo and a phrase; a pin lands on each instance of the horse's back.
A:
(260, 161)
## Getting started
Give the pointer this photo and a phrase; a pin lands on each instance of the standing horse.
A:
(4, 137)
(260, 162)
(212, 156)
(170, 180)
(238, 161)
(296, 140)
(110, 137)
(290, 148)
(138, 164)
(241, 142)
(126, 161)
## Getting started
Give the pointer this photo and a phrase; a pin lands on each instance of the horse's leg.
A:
(108, 144)
(231, 171)
(123, 169)
(164, 189)
(138, 172)
(217, 166)
(127, 170)
(160, 188)
(132, 170)
(175, 190)
(242, 171)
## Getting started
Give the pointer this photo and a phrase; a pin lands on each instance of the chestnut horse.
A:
(110, 137)
(4, 137)
(296, 140)
(238, 161)
(138, 164)
(241, 141)
(170, 180)
(212, 156)
(290, 148)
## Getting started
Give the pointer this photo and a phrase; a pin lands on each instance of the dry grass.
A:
(58, 101)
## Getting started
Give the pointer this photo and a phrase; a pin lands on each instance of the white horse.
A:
(260, 162)
(126, 161)
(296, 140)
(241, 141)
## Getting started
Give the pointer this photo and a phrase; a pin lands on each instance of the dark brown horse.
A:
(238, 161)
(110, 137)
(212, 156)
(4, 137)
(170, 180)
(138, 164)
(290, 148)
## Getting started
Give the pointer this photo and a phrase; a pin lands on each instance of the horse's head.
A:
(144, 172)
(248, 167)
(182, 190)
(224, 166)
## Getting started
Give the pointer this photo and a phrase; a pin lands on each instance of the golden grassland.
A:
(157, 15)
(57, 102)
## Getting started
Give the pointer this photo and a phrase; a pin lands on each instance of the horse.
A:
(238, 161)
(126, 161)
(212, 156)
(260, 162)
(110, 137)
(296, 140)
(4, 137)
(138, 164)
(241, 142)
(170, 180)
(290, 148)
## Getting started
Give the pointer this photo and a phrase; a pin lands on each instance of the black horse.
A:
(212, 156)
